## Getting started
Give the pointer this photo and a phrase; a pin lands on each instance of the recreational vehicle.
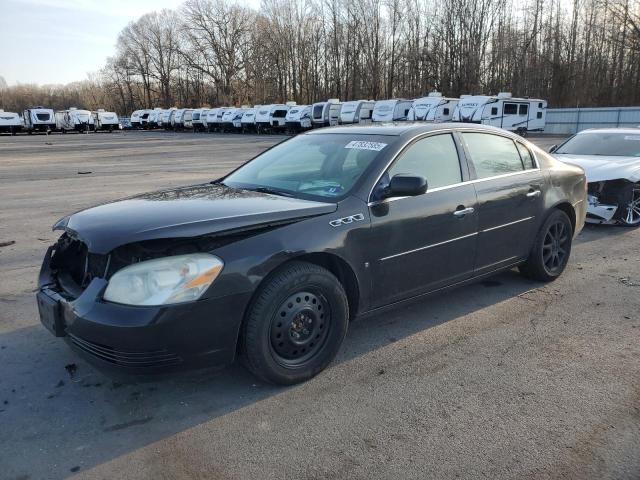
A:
(135, 118)
(215, 123)
(105, 120)
(177, 121)
(248, 120)
(39, 119)
(226, 121)
(432, 108)
(74, 120)
(270, 118)
(197, 119)
(357, 111)
(209, 120)
(10, 122)
(298, 118)
(237, 118)
(187, 119)
(165, 118)
(520, 115)
(395, 110)
(326, 114)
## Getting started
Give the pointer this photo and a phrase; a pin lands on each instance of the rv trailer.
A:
(187, 119)
(165, 118)
(248, 120)
(209, 120)
(520, 115)
(39, 119)
(237, 118)
(298, 119)
(228, 117)
(10, 122)
(135, 118)
(432, 108)
(177, 121)
(216, 123)
(357, 111)
(105, 120)
(395, 110)
(197, 119)
(74, 120)
(326, 114)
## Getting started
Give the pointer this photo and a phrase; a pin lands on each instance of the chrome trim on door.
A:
(427, 247)
(506, 224)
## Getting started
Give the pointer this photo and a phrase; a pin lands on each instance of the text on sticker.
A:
(362, 145)
(632, 137)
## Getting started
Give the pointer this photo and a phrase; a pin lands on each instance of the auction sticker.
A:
(632, 137)
(362, 145)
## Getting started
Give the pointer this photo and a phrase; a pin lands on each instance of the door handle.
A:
(461, 212)
(534, 193)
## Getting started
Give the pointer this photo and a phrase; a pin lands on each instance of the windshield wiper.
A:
(270, 190)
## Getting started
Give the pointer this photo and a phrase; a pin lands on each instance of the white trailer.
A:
(357, 111)
(39, 119)
(198, 119)
(228, 116)
(134, 118)
(271, 117)
(519, 115)
(394, 110)
(298, 118)
(187, 119)
(10, 122)
(248, 120)
(237, 118)
(74, 120)
(177, 121)
(103, 120)
(209, 120)
(432, 108)
(152, 119)
(326, 114)
(165, 118)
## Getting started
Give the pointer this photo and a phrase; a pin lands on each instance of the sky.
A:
(61, 41)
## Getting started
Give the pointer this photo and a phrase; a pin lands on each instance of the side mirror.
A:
(553, 148)
(402, 185)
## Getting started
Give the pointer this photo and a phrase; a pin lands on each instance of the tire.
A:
(295, 324)
(630, 213)
(551, 249)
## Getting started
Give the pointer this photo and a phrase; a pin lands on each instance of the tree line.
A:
(218, 52)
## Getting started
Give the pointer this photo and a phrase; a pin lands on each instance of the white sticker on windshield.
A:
(362, 145)
(632, 137)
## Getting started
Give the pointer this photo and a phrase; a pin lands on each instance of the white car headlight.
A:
(164, 281)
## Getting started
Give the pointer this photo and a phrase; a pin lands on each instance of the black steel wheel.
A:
(551, 249)
(295, 324)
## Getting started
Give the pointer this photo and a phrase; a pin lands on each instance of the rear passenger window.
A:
(525, 155)
(492, 155)
(434, 158)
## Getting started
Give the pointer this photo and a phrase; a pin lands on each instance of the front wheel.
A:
(295, 325)
(630, 214)
(551, 249)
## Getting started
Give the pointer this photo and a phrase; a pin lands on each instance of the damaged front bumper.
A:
(598, 212)
(140, 340)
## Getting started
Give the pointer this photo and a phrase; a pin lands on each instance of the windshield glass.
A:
(314, 166)
(603, 143)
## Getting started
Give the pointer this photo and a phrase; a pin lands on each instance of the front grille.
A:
(155, 358)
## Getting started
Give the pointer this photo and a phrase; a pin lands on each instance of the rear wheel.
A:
(295, 325)
(551, 249)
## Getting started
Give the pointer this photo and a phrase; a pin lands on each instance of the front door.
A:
(428, 241)
(509, 190)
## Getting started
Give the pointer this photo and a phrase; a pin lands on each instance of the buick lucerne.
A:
(272, 261)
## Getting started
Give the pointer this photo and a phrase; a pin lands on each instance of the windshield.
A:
(311, 166)
(616, 144)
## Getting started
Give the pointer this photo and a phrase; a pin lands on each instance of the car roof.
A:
(631, 130)
(401, 128)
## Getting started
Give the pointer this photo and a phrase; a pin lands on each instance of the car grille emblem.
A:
(358, 217)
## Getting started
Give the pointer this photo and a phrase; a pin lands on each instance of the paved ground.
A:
(503, 379)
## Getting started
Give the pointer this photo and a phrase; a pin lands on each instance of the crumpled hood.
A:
(183, 212)
(600, 168)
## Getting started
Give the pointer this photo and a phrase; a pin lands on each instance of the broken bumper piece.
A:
(599, 212)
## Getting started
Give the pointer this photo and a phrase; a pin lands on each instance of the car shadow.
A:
(59, 415)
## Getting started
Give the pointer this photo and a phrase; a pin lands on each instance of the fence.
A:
(565, 121)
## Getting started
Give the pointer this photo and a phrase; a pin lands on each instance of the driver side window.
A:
(434, 158)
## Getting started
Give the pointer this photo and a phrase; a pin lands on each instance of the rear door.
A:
(428, 241)
(509, 188)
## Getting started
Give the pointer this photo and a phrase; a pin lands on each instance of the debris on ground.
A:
(71, 369)
(6, 244)
(628, 282)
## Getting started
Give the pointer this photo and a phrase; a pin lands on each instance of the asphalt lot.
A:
(503, 379)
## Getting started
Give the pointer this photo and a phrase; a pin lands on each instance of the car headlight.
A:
(164, 281)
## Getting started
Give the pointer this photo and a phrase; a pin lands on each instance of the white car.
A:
(611, 159)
